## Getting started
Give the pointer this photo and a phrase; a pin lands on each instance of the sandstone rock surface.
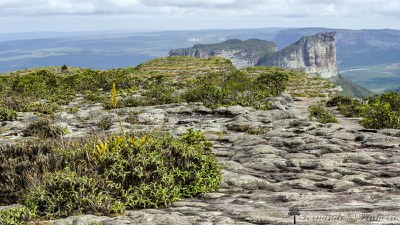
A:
(325, 170)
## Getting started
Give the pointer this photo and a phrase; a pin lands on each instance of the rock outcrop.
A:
(313, 54)
(241, 53)
(272, 160)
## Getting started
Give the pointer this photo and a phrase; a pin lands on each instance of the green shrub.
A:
(7, 114)
(23, 166)
(347, 106)
(321, 114)
(392, 97)
(107, 175)
(17, 215)
(339, 100)
(15, 101)
(42, 107)
(275, 81)
(377, 112)
(160, 94)
(379, 115)
(43, 128)
(65, 193)
(39, 84)
(354, 109)
(94, 96)
(236, 88)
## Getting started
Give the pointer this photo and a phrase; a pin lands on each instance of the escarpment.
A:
(314, 54)
(241, 53)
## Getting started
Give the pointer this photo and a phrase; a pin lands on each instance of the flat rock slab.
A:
(334, 174)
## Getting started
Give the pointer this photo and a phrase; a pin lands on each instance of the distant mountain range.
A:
(370, 58)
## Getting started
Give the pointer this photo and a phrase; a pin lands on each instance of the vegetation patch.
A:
(106, 175)
(321, 114)
(43, 128)
(236, 88)
(7, 114)
(377, 112)
(347, 106)
(17, 215)
(382, 111)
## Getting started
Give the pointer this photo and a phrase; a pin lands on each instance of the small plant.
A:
(73, 110)
(17, 215)
(42, 108)
(64, 68)
(105, 123)
(43, 128)
(377, 112)
(7, 114)
(347, 106)
(352, 109)
(257, 130)
(114, 103)
(94, 96)
(132, 118)
(321, 114)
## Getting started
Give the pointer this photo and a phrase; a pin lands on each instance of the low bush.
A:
(42, 107)
(382, 111)
(236, 88)
(320, 114)
(17, 215)
(377, 112)
(339, 100)
(106, 175)
(105, 123)
(160, 92)
(275, 81)
(392, 98)
(65, 193)
(347, 106)
(23, 166)
(43, 128)
(7, 114)
(379, 115)
(352, 109)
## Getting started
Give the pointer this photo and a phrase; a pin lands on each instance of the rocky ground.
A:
(272, 161)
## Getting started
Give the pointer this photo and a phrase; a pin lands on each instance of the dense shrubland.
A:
(43, 91)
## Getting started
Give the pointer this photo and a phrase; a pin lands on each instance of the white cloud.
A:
(199, 13)
(283, 8)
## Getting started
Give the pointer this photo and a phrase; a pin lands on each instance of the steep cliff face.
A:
(313, 54)
(241, 53)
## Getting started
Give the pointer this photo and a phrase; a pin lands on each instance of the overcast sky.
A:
(88, 15)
